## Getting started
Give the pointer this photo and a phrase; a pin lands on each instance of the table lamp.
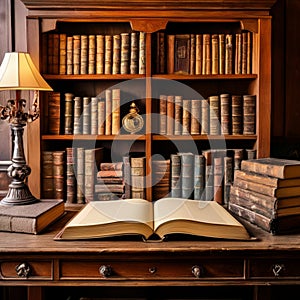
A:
(17, 72)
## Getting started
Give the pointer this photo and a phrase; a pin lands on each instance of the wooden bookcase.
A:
(78, 17)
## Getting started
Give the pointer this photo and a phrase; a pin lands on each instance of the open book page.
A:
(106, 218)
(206, 218)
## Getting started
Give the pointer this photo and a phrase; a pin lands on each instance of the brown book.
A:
(109, 166)
(142, 53)
(182, 49)
(108, 111)
(195, 116)
(204, 117)
(138, 173)
(238, 157)
(238, 54)
(69, 55)
(222, 53)
(108, 42)
(170, 53)
(186, 117)
(101, 117)
(113, 188)
(127, 176)
(163, 114)
(218, 179)
(249, 53)
(47, 175)
(94, 115)
(228, 54)
(50, 53)
(134, 53)
(187, 170)
(199, 56)
(56, 54)
(193, 55)
(228, 178)
(178, 115)
(58, 174)
(116, 107)
(71, 188)
(206, 61)
(62, 53)
(225, 113)
(214, 115)
(160, 48)
(170, 114)
(54, 113)
(125, 52)
(274, 167)
(86, 116)
(80, 174)
(250, 153)
(31, 218)
(199, 177)
(244, 52)
(44, 67)
(175, 160)
(116, 60)
(83, 54)
(92, 54)
(249, 114)
(237, 114)
(160, 178)
(76, 54)
(78, 106)
(100, 50)
(109, 173)
(214, 54)
(68, 128)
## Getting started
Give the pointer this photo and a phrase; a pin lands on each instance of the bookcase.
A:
(177, 19)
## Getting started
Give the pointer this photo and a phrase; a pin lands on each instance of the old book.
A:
(163, 217)
(225, 113)
(238, 157)
(228, 54)
(170, 114)
(244, 52)
(44, 49)
(178, 116)
(134, 53)
(92, 54)
(125, 53)
(170, 53)
(199, 177)
(101, 117)
(116, 57)
(76, 54)
(274, 167)
(193, 55)
(80, 169)
(250, 153)
(206, 61)
(198, 54)
(108, 46)
(108, 111)
(142, 53)
(237, 114)
(83, 54)
(249, 114)
(31, 218)
(127, 176)
(69, 70)
(218, 179)
(160, 52)
(78, 107)
(214, 115)
(71, 189)
(221, 53)
(56, 54)
(47, 175)
(109, 187)
(50, 53)
(204, 117)
(62, 53)
(214, 54)
(238, 54)
(182, 49)
(94, 115)
(187, 169)
(228, 178)
(160, 178)
(68, 113)
(109, 174)
(100, 50)
(116, 114)
(175, 160)
(109, 166)
(163, 114)
(54, 113)
(186, 116)
(58, 174)
(86, 116)
(249, 53)
(266, 180)
(195, 116)
(93, 158)
(138, 172)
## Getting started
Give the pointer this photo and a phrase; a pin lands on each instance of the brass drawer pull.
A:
(277, 269)
(197, 271)
(152, 270)
(105, 270)
(23, 270)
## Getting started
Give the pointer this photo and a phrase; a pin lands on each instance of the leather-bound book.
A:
(71, 189)
(78, 107)
(238, 54)
(92, 54)
(108, 54)
(108, 111)
(83, 54)
(237, 114)
(221, 53)
(134, 53)
(170, 53)
(68, 113)
(54, 113)
(195, 116)
(163, 114)
(193, 55)
(249, 114)
(62, 53)
(76, 54)
(58, 174)
(170, 114)
(138, 173)
(178, 115)
(80, 169)
(94, 115)
(86, 117)
(186, 116)
(142, 53)
(214, 115)
(116, 104)
(199, 177)
(101, 117)
(206, 61)
(116, 59)
(228, 54)
(198, 54)
(175, 160)
(100, 50)
(187, 169)
(214, 54)
(182, 51)
(225, 113)
(69, 70)
(125, 52)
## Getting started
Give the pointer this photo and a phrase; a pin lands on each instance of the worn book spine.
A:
(68, 113)
(58, 174)
(170, 53)
(69, 70)
(199, 177)
(111, 166)
(238, 54)
(175, 175)
(125, 52)
(218, 179)
(161, 52)
(55, 62)
(142, 53)
(186, 116)
(50, 54)
(178, 115)
(249, 53)
(134, 53)
(76, 54)
(249, 114)
(225, 113)
(83, 54)
(116, 59)
(86, 116)
(113, 188)
(206, 62)
(198, 54)
(209, 175)
(108, 54)
(80, 175)
(101, 117)
(238, 158)
(195, 116)
(214, 54)
(237, 114)
(160, 178)
(205, 117)
(250, 153)
(214, 115)
(44, 67)
(163, 114)
(244, 55)
(62, 53)
(228, 178)
(221, 53)
(77, 115)
(182, 54)
(108, 111)
(193, 55)
(92, 54)
(109, 173)
(94, 115)
(100, 50)
(54, 113)
(71, 189)
(170, 114)
(228, 54)
(138, 177)
(187, 169)
(116, 104)
(47, 175)
(127, 177)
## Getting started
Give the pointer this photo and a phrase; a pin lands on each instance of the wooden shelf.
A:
(206, 77)
(121, 137)
(203, 137)
(94, 77)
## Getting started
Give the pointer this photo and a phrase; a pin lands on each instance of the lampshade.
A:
(17, 72)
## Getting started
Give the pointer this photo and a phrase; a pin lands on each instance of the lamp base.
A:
(18, 194)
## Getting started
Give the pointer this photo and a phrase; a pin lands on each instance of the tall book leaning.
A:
(153, 220)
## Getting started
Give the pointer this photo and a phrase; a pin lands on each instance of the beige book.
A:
(163, 217)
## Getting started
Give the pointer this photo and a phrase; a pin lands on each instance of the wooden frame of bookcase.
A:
(150, 16)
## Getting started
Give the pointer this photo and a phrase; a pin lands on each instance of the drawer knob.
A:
(23, 270)
(277, 269)
(105, 270)
(196, 271)
(152, 270)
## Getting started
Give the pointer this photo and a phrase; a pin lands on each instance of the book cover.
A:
(47, 175)
(78, 107)
(142, 53)
(69, 70)
(163, 114)
(83, 54)
(58, 174)
(175, 175)
(225, 113)
(91, 54)
(138, 172)
(198, 50)
(80, 169)
(206, 61)
(101, 117)
(86, 116)
(186, 116)
(68, 113)
(237, 114)
(71, 189)
(199, 177)
(125, 53)
(62, 53)
(171, 53)
(108, 47)
(94, 115)
(214, 115)
(100, 50)
(182, 48)
(160, 178)
(228, 54)
(187, 169)
(170, 114)
(54, 113)
(178, 116)
(214, 54)
(76, 54)
(249, 114)
(108, 111)
(134, 53)
(195, 116)
(193, 55)
(116, 57)
(116, 114)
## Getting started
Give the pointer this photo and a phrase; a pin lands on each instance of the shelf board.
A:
(203, 137)
(93, 76)
(70, 137)
(204, 77)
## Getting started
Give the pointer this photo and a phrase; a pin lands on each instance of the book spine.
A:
(238, 53)
(77, 115)
(204, 117)
(68, 113)
(170, 53)
(186, 117)
(199, 48)
(92, 54)
(244, 55)
(249, 114)
(161, 52)
(47, 175)
(94, 115)
(209, 175)
(69, 55)
(237, 114)
(218, 180)
(44, 53)
(195, 116)
(250, 153)
(55, 62)
(215, 54)
(76, 54)
(238, 157)
(225, 115)
(101, 117)
(125, 52)
(62, 53)
(142, 53)
(170, 115)
(80, 175)
(199, 177)
(50, 54)
(83, 54)
(54, 113)
(134, 53)
(100, 50)
(175, 175)
(112, 188)
(114, 166)
(108, 111)
(178, 115)
(206, 62)
(162, 114)
(228, 53)
(86, 117)
(193, 55)
(249, 53)
(58, 174)
(222, 53)
(228, 178)
(116, 104)
(182, 54)
(116, 54)
(187, 168)
(71, 188)
(160, 178)
(127, 177)
(108, 54)
(214, 115)
(138, 177)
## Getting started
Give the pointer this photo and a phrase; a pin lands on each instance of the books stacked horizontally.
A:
(110, 183)
(266, 192)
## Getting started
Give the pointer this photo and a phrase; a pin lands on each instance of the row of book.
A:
(84, 115)
(266, 192)
(122, 53)
(219, 114)
(204, 54)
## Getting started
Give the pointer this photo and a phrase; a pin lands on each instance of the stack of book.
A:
(110, 183)
(266, 192)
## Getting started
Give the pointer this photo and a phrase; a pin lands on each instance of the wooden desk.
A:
(136, 265)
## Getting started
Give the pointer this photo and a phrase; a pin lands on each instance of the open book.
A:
(101, 219)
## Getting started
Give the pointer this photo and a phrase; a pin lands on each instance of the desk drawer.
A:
(39, 270)
(274, 268)
(151, 270)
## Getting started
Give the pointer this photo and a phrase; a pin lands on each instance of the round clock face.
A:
(133, 123)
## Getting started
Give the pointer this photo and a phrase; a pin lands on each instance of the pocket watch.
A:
(133, 122)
